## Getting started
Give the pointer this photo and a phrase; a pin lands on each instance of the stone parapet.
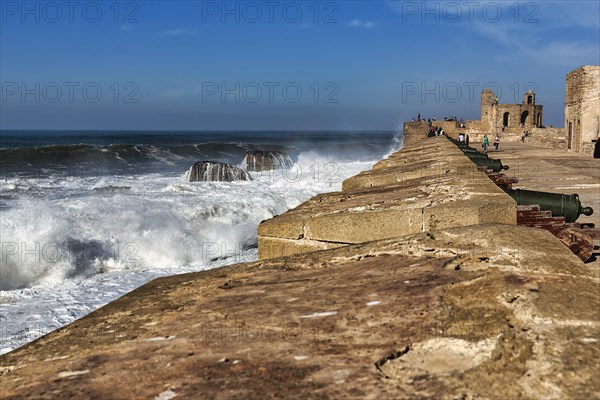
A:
(427, 185)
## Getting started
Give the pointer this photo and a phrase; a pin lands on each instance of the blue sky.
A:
(340, 65)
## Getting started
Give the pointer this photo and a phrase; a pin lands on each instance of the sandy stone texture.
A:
(487, 311)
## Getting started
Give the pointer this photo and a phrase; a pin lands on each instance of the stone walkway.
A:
(553, 170)
(556, 171)
(439, 315)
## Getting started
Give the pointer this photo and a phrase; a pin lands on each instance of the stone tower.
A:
(488, 109)
(529, 98)
(582, 108)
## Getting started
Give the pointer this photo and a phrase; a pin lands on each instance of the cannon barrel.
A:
(459, 144)
(478, 155)
(489, 163)
(480, 159)
(565, 205)
(463, 146)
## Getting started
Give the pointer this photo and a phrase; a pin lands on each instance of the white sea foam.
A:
(73, 244)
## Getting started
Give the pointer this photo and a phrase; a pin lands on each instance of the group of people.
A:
(433, 119)
(486, 141)
(438, 131)
(435, 131)
(419, 119)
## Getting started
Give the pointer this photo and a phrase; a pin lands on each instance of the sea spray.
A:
(214, 171)
(75, 240)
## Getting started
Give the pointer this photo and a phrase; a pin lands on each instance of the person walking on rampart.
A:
(486, 143)
(497, 142)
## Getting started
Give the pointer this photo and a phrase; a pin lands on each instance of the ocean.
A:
(86, 217)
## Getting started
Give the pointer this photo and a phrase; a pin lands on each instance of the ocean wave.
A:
(47, 242)
(73, 243)
(171, 152)
(119, 153)
(59, 228)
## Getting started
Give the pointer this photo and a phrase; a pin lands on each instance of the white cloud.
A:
(357, 23)
(563, 53)
(177, 32)
(531, 44)
(126, 28)
(522, 31)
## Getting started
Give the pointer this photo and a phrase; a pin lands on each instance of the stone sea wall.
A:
(430, 291)
(428, 185)
(547, 137)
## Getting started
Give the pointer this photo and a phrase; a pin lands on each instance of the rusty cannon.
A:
(564, 205)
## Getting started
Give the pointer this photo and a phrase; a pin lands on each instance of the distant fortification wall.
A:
(509, 121)
(549, 137)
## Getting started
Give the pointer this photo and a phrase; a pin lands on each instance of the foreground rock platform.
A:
(427, 185)
(487, 311)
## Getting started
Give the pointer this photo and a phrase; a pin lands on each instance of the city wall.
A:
(425, 288)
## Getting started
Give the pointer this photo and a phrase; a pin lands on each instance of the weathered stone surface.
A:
(488, 311)
(425, 186)
(437, 158)
(273, 247)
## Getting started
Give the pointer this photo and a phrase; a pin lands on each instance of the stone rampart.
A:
(429, 184)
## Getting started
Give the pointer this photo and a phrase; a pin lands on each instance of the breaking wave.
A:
(74, 239)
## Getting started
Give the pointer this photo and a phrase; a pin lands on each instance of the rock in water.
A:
(261, 160)
(208, 171)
